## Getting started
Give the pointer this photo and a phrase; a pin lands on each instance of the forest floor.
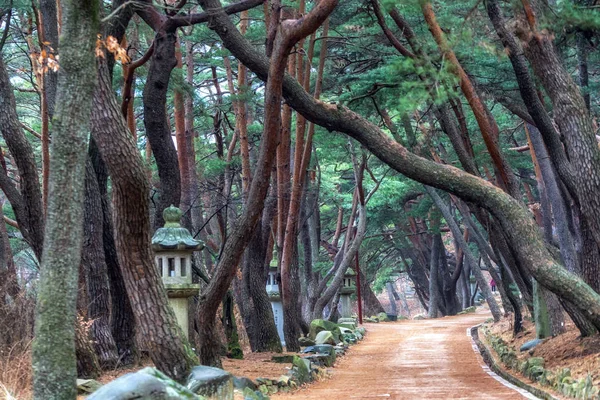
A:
(426, 359)
(569, 350)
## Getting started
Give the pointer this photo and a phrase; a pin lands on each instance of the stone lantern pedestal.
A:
(275, 298)
(346, 292)
(173, 247)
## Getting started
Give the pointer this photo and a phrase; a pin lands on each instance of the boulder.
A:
(371, 319)
(325, 337)
(346, 320)
(324, 349)
(319, 359)
(347, 325)
(250, 394)
(211, 382)
(306, 341)
(148, 383)
(530, 345)
(283, 358)
(87, 386)
(361, 330)
(242, 383)
(383, 317)
(319, 325)
(301, 370)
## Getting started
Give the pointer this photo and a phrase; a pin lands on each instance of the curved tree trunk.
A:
(170, 351)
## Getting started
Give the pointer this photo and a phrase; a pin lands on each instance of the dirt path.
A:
(429, 359)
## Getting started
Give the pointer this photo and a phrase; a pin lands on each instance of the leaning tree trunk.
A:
(290, 32)
(169, 349)
(53, 356)
(521, 232)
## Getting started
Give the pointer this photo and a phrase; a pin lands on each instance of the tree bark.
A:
(170, 351)
(53, 352)
(26, 202)
(94, 266)
(155, 120)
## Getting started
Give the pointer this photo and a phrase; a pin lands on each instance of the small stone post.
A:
(173, 247)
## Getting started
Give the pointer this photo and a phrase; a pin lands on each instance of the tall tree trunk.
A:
(53, 356)
(481, 281)
(122, 317)
(26, 202)
(287, 35)
(94, 266)
(170, 351)
(156, 122)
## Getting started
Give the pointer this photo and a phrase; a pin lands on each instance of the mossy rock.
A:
(471, 309)
(301, 370)
(319, 325)
(383, 317)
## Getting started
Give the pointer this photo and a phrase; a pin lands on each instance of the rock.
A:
(392, 317)
(87, 386)
(344, 330)
(325, 337)
(346, 320)
(250, 394)
(283, 380)
(210, 382)
(372, 320)
(361, 330)
(350, 338)
(419, 317)
(283, 359)
(148, 383)
(324, 350)
(383, 317)
(319, 325)
(242, 383)
(306, 341)
(536, 362)
(301, 370)
(319, 359)
(347, 325)
(470, 309)
(530, 345)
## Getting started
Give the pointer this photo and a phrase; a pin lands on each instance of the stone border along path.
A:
(427, 359)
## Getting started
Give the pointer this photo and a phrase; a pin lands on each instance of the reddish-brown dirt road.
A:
(428, 359)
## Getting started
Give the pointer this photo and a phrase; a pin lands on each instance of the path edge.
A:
(496, 372)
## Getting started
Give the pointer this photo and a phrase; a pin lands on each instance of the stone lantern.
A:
(275, 298)
(173, 247)
(347, 289)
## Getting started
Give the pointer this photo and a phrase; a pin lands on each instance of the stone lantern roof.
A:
(349, 273)
(173, 236)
